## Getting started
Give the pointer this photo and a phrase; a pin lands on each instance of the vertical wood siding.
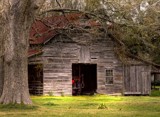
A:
(137, 80)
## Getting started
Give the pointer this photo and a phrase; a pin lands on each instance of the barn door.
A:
(137, 80)
(35, 79)
(146, 83)
(84, 78)
(131, 80)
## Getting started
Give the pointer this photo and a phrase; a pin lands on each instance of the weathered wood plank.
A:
(132, 93)
(84, 54)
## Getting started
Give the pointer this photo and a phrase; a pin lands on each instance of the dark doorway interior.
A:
(35, 79)
(84, 79)
(155, 84)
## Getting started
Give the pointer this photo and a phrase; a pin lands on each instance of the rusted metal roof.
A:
(43, 30)
(33, 52)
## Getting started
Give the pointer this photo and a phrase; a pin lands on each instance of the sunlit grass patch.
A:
(87, 106)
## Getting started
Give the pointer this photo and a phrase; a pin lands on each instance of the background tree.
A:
(138, 26)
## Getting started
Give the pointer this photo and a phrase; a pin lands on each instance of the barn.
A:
(67, 57)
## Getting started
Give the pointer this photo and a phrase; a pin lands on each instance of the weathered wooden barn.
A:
(65, 59)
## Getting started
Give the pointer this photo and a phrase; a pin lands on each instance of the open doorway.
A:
(84, 79)
(155, 81)
(35, 79)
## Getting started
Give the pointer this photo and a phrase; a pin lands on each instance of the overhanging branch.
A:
(112, 36)
(60, 10)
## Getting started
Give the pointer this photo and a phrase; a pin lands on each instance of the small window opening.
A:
(109, 76)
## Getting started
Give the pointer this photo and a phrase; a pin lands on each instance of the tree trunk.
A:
(18, 19)
(1, 53)
(1, 62)
(1, 75)
(1, 66)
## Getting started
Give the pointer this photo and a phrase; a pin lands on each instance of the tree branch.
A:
(60, 10)
(112, 36)
(58, 3)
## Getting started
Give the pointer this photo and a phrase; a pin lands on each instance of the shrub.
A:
(50, 104)
(50, 93)
(62, 94)
(102, 106)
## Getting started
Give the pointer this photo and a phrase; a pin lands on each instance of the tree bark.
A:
(18, 19)
(1, 60)
(1, 66)
(1, 75)
(1, 51)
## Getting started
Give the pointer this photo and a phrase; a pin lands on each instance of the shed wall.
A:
(58, 57)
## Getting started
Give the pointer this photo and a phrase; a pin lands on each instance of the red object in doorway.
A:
(73, 81)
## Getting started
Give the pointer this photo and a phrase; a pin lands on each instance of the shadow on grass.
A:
(17, 107)
(90, 104)
(50, 104)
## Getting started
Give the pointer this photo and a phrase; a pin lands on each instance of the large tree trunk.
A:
(18, 19)
(1, 58)
(1, 51)
(1, 66)
(1, 73)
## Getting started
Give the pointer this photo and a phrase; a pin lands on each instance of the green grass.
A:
(86, 106)
(157, 86)
(155, 93)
